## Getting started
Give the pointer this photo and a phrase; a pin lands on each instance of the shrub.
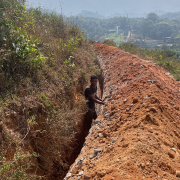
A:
(21, 57)
(109, 42)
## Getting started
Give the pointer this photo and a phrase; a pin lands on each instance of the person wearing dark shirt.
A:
(90, 95)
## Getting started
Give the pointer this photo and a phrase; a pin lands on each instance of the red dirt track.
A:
(137, 135)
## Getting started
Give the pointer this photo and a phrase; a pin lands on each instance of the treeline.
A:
(174, 15)
(152, 27)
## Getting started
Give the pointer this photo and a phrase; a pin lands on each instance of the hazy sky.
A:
(109, 7)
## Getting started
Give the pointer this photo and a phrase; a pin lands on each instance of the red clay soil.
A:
(137, 135)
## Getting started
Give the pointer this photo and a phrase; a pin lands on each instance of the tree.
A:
(124, 23)
(153, 17)
(163, 30)
(146, 27)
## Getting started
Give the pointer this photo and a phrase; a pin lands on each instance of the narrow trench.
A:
(80, 137)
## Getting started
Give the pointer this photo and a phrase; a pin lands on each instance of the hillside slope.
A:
(45, 64)
(137, 134)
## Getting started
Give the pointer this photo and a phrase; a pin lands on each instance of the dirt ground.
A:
(137, 134)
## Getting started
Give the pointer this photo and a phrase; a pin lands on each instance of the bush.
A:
(109, 42)
(21, 57)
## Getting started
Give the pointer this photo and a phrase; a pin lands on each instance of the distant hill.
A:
(85, 13)
(170, 15)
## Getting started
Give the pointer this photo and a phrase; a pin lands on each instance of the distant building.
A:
(148, 43)
(171, 40)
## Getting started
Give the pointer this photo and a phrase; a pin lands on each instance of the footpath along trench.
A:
(137, 135)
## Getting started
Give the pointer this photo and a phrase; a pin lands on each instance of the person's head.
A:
(94, 81)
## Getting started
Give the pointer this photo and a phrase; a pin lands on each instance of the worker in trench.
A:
(91, 97)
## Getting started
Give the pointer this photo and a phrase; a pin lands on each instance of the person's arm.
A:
(94, 99)
(98, 98)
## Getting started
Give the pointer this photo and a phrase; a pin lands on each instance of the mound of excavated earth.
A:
(137, 135)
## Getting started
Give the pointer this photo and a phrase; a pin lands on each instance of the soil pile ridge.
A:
(137, 135)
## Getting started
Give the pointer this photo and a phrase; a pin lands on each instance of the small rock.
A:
(100, 135)
(142, 165)
(131, 105)
(112, 102)
(173, 149)
(87, 176)
(77, 162)
(74, 170)
(91, 156)
(96, 122)
(107, 62)
(134, 64)
(146, 97)
(178, 174)
(150, 130)
(81, 173)
(113, 140)
(112, 87)
(109, 123)
(142, 66)
(107, 115)
(125, 145)
(128, 109)
(115, 116)
(177, 108)
(135, 100)
(125, 100)
(152, 81)
(172, 103)
(106, 104)
(105, 134)
(171, 154)
(153, 109)
(68, 175)
(97, 151)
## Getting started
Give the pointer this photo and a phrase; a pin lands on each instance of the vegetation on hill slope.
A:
(44, 66)
(151, 27)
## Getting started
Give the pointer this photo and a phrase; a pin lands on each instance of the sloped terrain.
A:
(136, 135)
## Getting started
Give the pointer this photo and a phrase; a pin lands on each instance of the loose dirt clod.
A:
(143, 142)
(178, 174)
(171, 154)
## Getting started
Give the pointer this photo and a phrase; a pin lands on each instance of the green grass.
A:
(117, 39)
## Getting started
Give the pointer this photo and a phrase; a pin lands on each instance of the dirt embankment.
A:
(137, 135)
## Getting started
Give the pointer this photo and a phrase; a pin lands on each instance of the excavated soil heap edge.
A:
(137, 135)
